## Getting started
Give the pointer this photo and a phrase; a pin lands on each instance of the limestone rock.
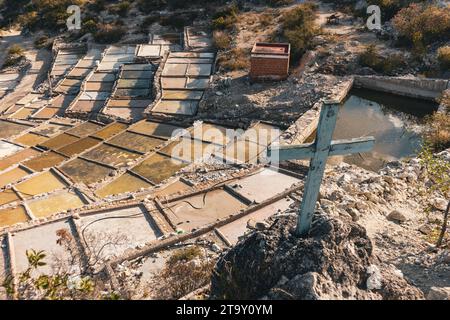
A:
(397, 216)
(437, 293)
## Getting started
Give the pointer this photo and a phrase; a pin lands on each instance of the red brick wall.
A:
(269, 68)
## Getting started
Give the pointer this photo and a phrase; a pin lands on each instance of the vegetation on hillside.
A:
(298, 28)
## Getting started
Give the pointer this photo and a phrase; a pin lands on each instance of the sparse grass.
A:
(422, 24)
(109, 33)
(387, 65)
(226, 18)
(438, 131)
(185, 255)
(222, 40)
(185, 271)
(266, 19)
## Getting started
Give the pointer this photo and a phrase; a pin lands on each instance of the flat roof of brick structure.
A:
(261, 48)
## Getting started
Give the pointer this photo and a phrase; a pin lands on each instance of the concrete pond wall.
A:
(428, 89)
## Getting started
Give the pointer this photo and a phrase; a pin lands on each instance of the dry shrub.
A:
(235, 59)
(444, 57)
(422, 24)
(222, 40)
(438, 130)
(185, 271)
(299, 28)
(372, 58)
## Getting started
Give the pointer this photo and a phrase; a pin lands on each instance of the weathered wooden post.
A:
(319, 151)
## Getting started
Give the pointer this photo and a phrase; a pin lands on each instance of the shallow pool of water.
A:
(394, 121)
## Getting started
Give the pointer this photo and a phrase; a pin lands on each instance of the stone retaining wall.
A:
(428, 89)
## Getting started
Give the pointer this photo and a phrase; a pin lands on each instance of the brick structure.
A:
(270, 61)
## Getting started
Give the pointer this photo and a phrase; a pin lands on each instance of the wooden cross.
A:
(322, 148)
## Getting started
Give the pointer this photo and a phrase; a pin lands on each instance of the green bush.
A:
(422, 24)
(41, 42)
(371, 58)
(298, 25)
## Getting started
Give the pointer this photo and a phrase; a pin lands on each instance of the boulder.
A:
(397, 216)
(335, 261)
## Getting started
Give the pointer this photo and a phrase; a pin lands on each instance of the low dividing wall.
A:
(428, 89)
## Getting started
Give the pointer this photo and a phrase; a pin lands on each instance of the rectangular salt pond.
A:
(132, 93)
(124, 228)
(7, 148)
(188, 149)
(102, 77)
(51, 129)
(99, 86)
(217, 204)
(238, 228)
(134, 83)
(85, 129)
(262, 133)
(46, 113)
(129, 103)
(136, 141)
(59, 141)
(43, 238)
(55, 203)
(42, 183)
(18, 157)
(8, 196)
(44, 161)
(23, 113)
(12, 176)
(111, 155)
(158, 168)
(182, 95)
(128, 114)
(10, 129)
(79, 146)
(84, 171)
(11, 216)
(137, 74)
(31, 139)
(172, 189)
(88, 106)
(110, 130)
(156, 129)
(184, 107)
(125, 183)
(242, 151)
(213, 133)
(274, 183)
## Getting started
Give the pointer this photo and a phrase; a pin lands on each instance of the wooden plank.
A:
(327, 124)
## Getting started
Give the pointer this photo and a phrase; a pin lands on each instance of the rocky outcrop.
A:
(335, 261)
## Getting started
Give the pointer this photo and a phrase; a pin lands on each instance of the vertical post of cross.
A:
(325, 129)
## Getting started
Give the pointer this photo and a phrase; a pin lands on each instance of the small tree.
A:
(438, 171)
